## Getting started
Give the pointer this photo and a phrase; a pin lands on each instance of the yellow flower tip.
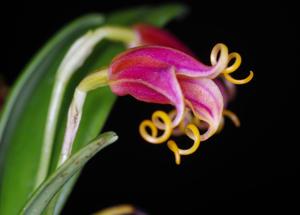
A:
(241, 81)
(219, 51)
(233, 117)
(236, 63)
(193, 133)
(174, 148)
(163, 121)
(160, 120)
(220, 54)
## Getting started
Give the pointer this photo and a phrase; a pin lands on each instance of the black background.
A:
(253, 168)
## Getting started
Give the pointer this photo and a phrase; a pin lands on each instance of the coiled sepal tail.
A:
(193, 133)
(163, 121)
(220, 54)
(154, 125)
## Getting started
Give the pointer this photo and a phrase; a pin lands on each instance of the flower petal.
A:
(184, 64)
(205, 99)
(150, 35)
(148, 81)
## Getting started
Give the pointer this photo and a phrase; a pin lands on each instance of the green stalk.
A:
(91, 82)
(74, 59)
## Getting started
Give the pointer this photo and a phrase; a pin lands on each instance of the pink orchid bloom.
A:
(151, 35)
(165, 71)
(164, 75)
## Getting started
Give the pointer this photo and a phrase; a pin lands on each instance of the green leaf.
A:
(22, 122)
(24, 117)
(46, 191)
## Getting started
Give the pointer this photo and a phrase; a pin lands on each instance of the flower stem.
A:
(73, 60)
(91, 82)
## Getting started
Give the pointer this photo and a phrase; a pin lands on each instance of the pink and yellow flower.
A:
(163, 70)
(150, 35)
(164, 75)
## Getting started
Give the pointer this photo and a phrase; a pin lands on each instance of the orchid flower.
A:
(150, 35)
(163, 71)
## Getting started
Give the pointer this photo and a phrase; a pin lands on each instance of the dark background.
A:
(253, 168)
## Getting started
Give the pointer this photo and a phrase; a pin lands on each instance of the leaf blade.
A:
(52, 185)
(21, 121)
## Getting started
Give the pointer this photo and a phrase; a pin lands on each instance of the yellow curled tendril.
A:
(193, 133)
(239, 81)
(220, 50)
(161, 125)
(153, 124)
(235, 57)
(233, 117)
(236, 64)
(178, 130)
(174, 148)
